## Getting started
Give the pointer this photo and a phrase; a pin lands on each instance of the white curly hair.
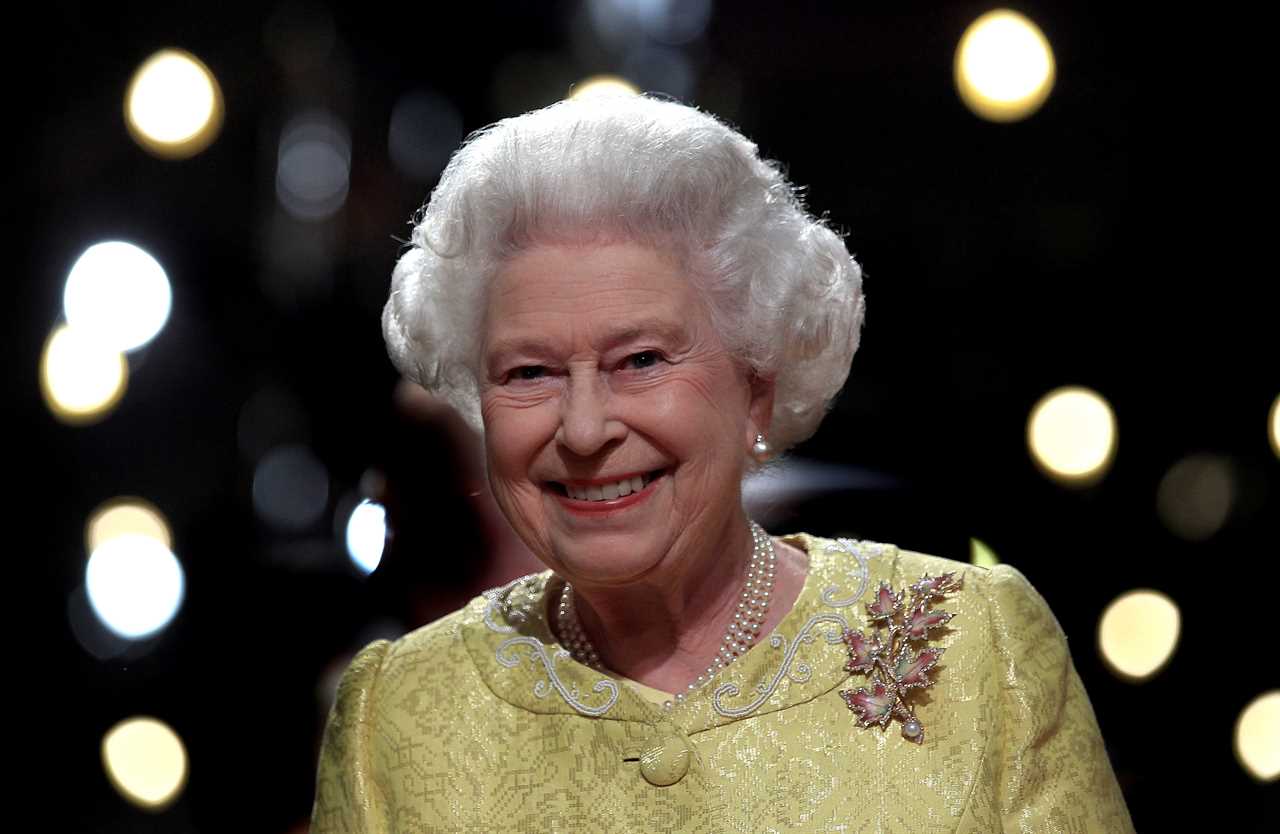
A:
(785, 294)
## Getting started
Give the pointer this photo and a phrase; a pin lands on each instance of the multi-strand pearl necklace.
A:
(741, 634)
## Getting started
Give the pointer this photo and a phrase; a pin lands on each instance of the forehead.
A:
(560, 290)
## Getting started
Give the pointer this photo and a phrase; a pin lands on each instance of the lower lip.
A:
(613, 505)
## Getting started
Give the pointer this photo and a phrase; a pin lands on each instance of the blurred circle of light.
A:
(145, 761)
(173, 107)
(94, 637)
(603, 86)
(425, 129)
(313, 166)
(1138, 633)
(661, 68)
(669, 21)
(1257, 737)
(1195, 496)
(366, 535)
(290, 488)
(123, 517)
(1072, 435)
(1275, 426)
(1004, 66)
(982, 555)
(81, 379)
(119, 293)
(135, 585)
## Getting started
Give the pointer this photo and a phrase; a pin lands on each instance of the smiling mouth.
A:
(609, 491)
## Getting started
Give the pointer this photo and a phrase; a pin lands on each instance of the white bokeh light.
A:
(290, 487)
(313, 166)
(366, 535)
(668, 21)
(135, 585)
(424, 131)
(173, 107)
(117, 293)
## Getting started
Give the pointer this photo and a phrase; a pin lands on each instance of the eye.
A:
(643, 359)
(528, 372)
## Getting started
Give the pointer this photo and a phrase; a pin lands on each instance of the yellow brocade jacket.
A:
(481, 723)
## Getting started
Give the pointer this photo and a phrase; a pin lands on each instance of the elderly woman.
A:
(636, 310)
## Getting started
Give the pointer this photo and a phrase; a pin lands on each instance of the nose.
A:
(587, 421)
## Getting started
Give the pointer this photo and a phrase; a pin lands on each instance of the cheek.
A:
(705, 401)
(511, 438)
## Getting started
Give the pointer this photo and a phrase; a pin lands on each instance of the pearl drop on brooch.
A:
(911, 729)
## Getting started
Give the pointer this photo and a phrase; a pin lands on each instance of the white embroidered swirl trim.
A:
(541, 689)
(801, 675)
(854, 548)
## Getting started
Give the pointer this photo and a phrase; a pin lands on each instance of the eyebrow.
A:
(628, 331)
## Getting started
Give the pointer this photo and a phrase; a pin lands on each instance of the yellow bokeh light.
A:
(1275, 426)
(982, 555)
(601, 86)
(1257, 738)
(1072, 435)
(1004, 67)
(124, 517)
(145, 761)
(1138, 633)
(173, 107)
(81, 379)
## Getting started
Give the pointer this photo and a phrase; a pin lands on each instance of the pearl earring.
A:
(760, 450)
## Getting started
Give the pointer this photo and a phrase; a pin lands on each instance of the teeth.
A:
(606, 492)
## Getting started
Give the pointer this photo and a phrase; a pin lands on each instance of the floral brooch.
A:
(890, 660)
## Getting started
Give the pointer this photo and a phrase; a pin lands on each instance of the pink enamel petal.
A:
(912, 672)
(887, 603)
(922, 620)
(937, 586)
(871, 707)
(862, 652)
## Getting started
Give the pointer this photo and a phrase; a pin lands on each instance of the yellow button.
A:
(666, 762)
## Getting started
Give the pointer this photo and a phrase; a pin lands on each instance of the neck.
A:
(665, 631)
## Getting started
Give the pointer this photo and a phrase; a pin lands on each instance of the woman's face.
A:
(616, 423)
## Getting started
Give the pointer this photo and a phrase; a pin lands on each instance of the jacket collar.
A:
(519, 659)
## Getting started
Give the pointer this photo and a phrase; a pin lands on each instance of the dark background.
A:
(1118, 239)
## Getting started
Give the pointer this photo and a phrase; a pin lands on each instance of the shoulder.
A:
(1000, 596)
(381, 663)
(912, 563)
(1003, 589)
(435, 657)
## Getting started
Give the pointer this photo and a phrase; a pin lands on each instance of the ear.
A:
(760, 406)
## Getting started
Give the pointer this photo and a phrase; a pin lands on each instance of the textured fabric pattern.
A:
(477, 723)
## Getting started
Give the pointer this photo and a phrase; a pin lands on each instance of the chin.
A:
(609, 560)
